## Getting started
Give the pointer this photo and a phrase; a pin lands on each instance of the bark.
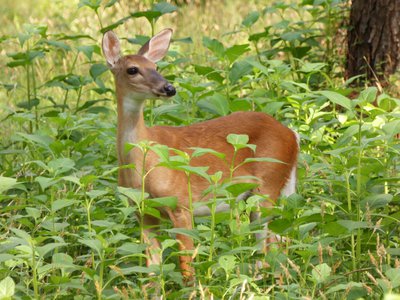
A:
(373, 39)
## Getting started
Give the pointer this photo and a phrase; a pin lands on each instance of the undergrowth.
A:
(69, 232)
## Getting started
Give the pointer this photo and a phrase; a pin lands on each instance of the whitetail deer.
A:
(136, 80)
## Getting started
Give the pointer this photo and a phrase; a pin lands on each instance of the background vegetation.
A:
(69, 232)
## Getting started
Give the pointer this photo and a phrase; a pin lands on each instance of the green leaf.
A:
(251, 18)
(227, 262)
(62, 203)
(368, 95)
(133, 194)
(240, 141)
(61, 165)
(58, 44)
(203, 151)
(33, 212)
(337, 99)
(131, 248)
(199, 171)
(214, 45)
(279, 226)
(93, 4)
(94, 245)
(394, 276)
(164, 8)
(169, 202)
(236, 51)
(353, 225)
(216, 104)
(43, 250)
(239, 188)
(392, 128)
(96, 193)
(238, 70)
(7, 183)
(88, 50)
(308, 67)
(376, 201)
(263, 159)
(168, 244)
(320, 273)
(7, 288)
(28, 105)
(45, 182)
(97, 69)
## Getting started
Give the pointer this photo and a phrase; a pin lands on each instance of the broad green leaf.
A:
(238, 70)
(94, 245)
(131, 248)
(214, 45)
(368, 95)
(203, 151)
(61, 165)
(7, 288)
(43, 250)
(239, 188)
(199, 171)
(5, 257)
(232, 53)
(308, 67)
(240, 141)
(216, 104)
(23, 235)
(183, 231)
(168, 244)
(103, 223)
(97, 69)
(251, 18)
(88, 50)
(33, 212)
(7, 183)
(337, 99)
(394, 276)
(58, 44)
(93, 4)
(169, 202)
(164, 8)
(376, 201)
(353, 225)
(133, 194)
(96, 193)
(392, 128)
(45, 182)
(320, 273)
(227, 262)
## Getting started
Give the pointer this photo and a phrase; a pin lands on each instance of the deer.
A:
(136, 80)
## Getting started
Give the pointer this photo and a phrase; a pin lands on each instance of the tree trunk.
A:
(373, 39)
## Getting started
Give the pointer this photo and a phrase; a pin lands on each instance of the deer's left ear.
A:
(157, 47)
(111, 48)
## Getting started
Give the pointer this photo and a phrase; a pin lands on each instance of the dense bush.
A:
(68, 231)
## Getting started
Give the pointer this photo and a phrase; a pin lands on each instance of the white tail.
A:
(136, 79)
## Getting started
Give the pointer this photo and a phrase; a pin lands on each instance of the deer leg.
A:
(153, 249)
(181, 218)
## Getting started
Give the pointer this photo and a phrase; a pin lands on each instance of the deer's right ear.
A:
(111, 48)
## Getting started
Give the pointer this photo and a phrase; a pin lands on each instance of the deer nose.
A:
(169, 89)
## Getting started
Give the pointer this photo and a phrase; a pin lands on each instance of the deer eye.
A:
(132, 70)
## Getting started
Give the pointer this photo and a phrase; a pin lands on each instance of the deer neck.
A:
(131, 126)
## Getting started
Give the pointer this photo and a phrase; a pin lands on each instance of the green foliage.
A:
(69, 232)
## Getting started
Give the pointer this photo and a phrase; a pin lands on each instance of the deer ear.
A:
(111, 48)
(157, 47)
